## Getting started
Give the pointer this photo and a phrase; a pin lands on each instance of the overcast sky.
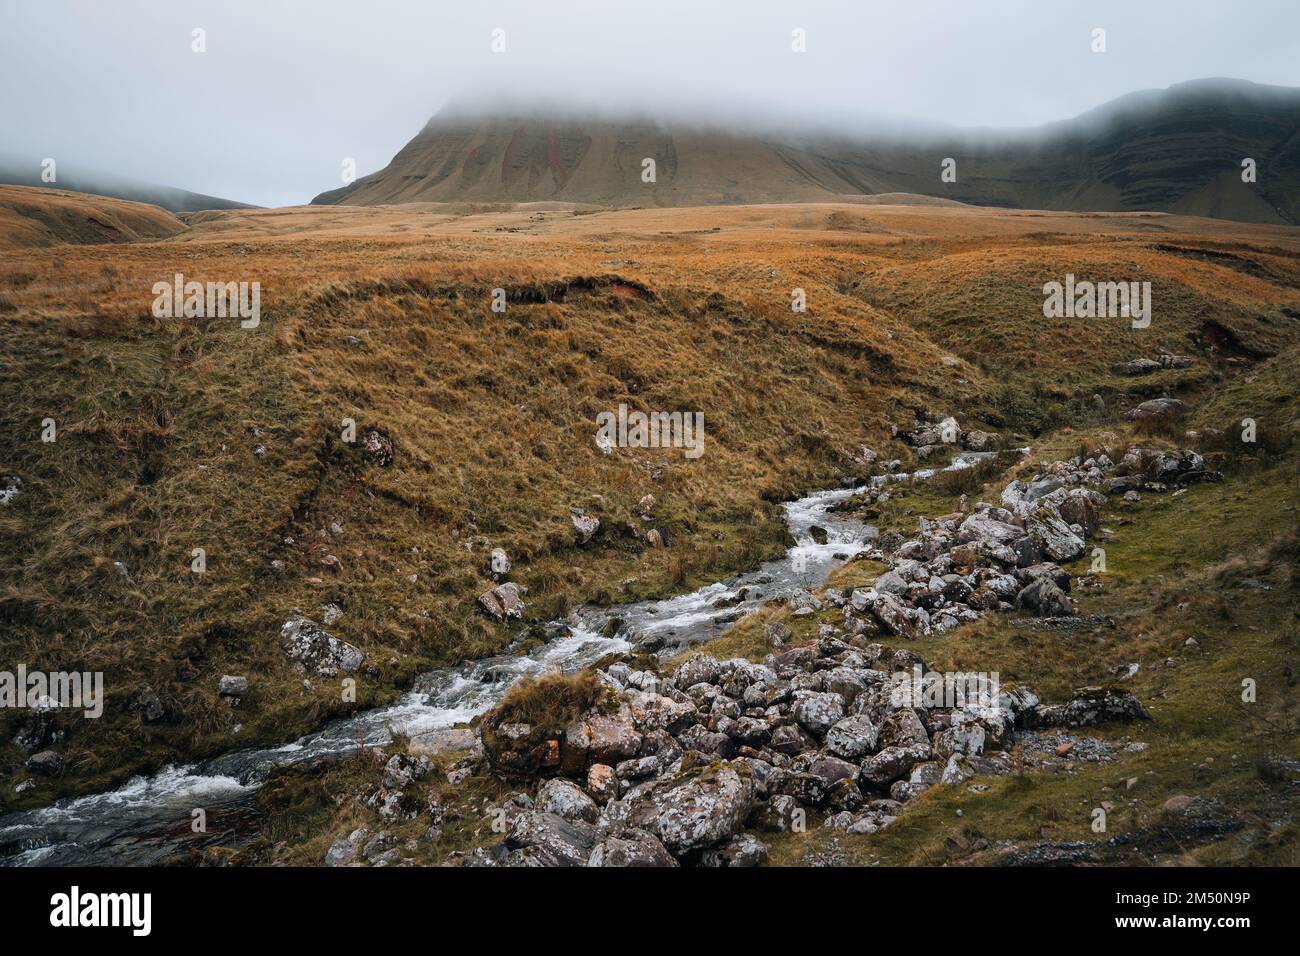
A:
(287, 88)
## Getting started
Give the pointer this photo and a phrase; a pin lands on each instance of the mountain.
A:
(1177, 150)
(17, 172)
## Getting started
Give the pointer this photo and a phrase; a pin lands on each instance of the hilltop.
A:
(1177, 150)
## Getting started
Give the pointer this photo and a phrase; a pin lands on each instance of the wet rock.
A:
(505, 601)
(316, 650)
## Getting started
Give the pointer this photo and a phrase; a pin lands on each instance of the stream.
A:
(148, 820)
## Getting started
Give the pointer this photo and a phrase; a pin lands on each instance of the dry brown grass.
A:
(492, 417)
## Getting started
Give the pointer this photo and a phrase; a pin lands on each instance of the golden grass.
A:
(492, 416)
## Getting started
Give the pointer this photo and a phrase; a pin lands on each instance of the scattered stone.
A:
(232, 686)
(584, 524)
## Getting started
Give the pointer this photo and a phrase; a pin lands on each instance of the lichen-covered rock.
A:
(853, 737)
(566, 799)
(1155, 408)
(551, 840)
(602, 783)
(697, 669)
(316, 650)
(696, 808)
(817, 713)
(584, 524)
(630, 847)
(891, 763)
(1092, 706)
(740, 850)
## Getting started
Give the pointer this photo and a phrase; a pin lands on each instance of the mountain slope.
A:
(45, 217)
(1177, 150)
(17, 173)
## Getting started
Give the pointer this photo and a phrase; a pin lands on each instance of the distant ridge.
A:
(1176, 150)
(16, 172)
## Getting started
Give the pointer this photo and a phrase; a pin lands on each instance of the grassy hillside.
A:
(181, 434)
(46, 217)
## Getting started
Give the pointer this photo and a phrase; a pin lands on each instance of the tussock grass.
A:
(492, 416)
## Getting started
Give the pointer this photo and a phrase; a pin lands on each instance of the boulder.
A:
(232, 686)
(630, 847)
(584, 524)
(1155, 408)
(740, 850)
(599, 738)
(817, 712)
(696, 808)
(505, 601)
(1091, 706)
(499, 564)
(853, 737)
(550, 840)
(316, 650)
(602, 783)
(566, 799)
(1044, 599)
(47, 763)
(891, 763)
(697, 669)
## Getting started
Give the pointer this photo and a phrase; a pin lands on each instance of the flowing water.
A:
(149, 820)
